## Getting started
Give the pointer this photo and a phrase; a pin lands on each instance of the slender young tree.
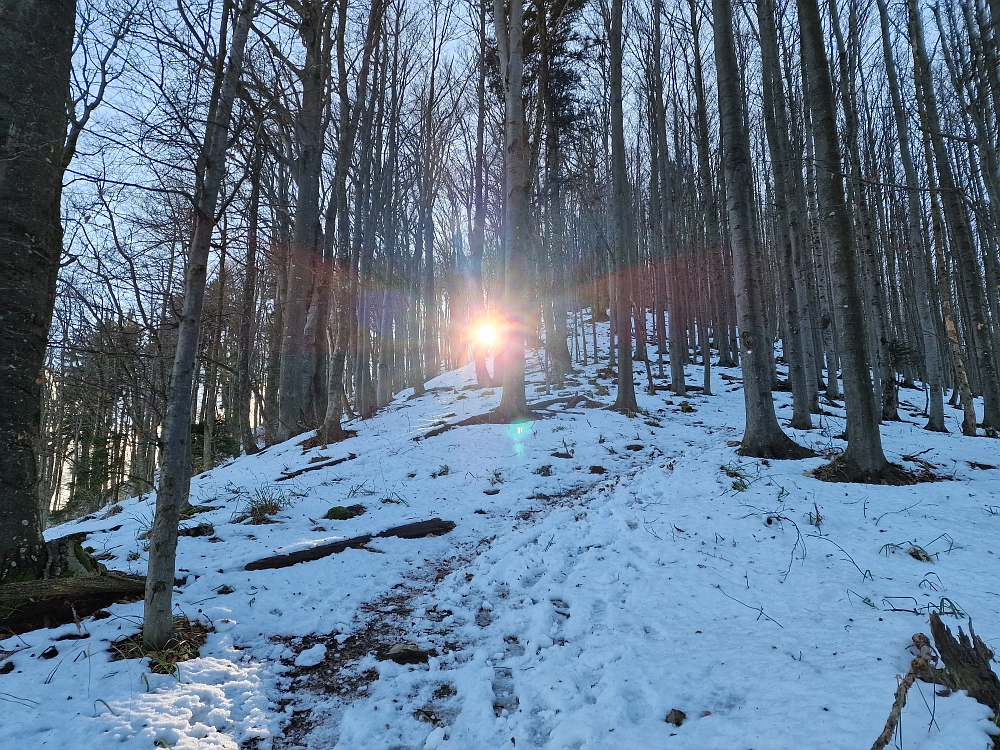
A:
(509, 27)
(970, 283)
(786, 218)
(619, 235)
(175, 467)
(477, 237)
(244, 344)
(915, 241)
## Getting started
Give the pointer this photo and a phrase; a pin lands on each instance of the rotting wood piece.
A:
(316, 467)
(69, 587)
(418, 530)
(576, 401)
(966, 663)
(966, 667)
(57, 601)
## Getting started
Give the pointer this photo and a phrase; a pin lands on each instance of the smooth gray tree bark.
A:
(864, 460)
(509, 26)
(762, 437)
(625, 401)
(970, 283)
(916, 247)
(175, 468)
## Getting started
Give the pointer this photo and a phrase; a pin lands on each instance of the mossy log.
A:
(49, 602)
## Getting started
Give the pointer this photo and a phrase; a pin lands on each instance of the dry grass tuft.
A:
(189, 637)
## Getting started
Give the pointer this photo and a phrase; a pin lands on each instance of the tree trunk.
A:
(510, 41)
(302, 320)
(956, 217)
(619, 228)
(477, 237)
(864, 460)
(36, 42)
(787, 219)
(763, 437)
(175, 470)
(341, 319)
(244, 346)
(916, 248)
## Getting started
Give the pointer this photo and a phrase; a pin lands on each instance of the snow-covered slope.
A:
(603, 571)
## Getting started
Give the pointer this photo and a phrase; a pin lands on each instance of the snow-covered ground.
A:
(580, 598)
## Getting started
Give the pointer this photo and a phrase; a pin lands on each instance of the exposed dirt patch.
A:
(386, 623)
(338, 674)
(840, 470)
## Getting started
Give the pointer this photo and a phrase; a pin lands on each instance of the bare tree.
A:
(175, 469)
(509, 27)
(762, 437)
(864, 460)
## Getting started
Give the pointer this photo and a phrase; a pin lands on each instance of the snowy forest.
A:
(429, 374)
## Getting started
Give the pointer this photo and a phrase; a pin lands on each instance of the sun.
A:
(487, 334)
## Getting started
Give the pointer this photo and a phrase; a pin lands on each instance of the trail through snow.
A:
(603, 571)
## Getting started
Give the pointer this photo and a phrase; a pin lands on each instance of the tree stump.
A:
(966, 663)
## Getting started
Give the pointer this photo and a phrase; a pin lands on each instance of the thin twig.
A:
(864, 573)
(759, 610)
(890, 512)
(26, 702)
(920, 667)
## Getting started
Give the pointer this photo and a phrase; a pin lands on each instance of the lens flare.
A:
(487, 334)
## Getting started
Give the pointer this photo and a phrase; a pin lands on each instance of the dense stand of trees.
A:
(288, 212)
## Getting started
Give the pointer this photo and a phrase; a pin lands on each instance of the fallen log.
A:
(426, 391)
(30, 605)
(48, 588)
(490, 417)
(307, 555)
(417, 530)
(570, 401)
(316, 467)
